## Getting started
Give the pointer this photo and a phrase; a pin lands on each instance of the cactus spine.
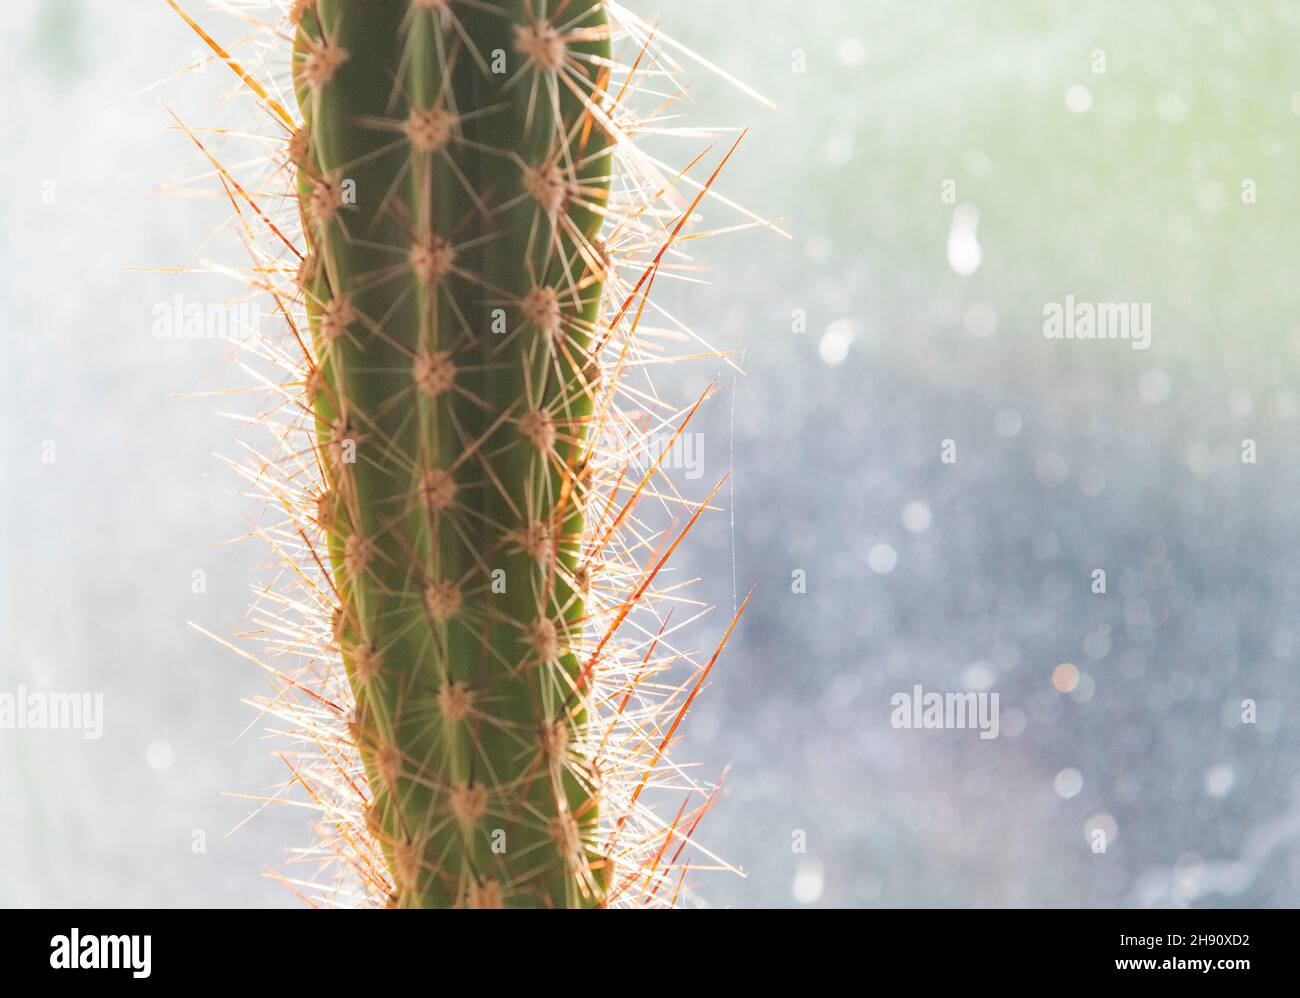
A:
(452, 175)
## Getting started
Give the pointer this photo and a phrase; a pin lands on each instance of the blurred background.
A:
(946, 171)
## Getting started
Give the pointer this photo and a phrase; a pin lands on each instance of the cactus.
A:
(472, 656)
(452, 303)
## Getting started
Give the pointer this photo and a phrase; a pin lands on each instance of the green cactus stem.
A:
(453, 170)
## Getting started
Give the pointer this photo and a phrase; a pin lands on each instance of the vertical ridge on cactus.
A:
(472, 649)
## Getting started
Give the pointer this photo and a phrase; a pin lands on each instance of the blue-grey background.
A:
(1117, 185)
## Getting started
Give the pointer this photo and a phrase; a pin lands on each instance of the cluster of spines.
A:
(452, 288)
